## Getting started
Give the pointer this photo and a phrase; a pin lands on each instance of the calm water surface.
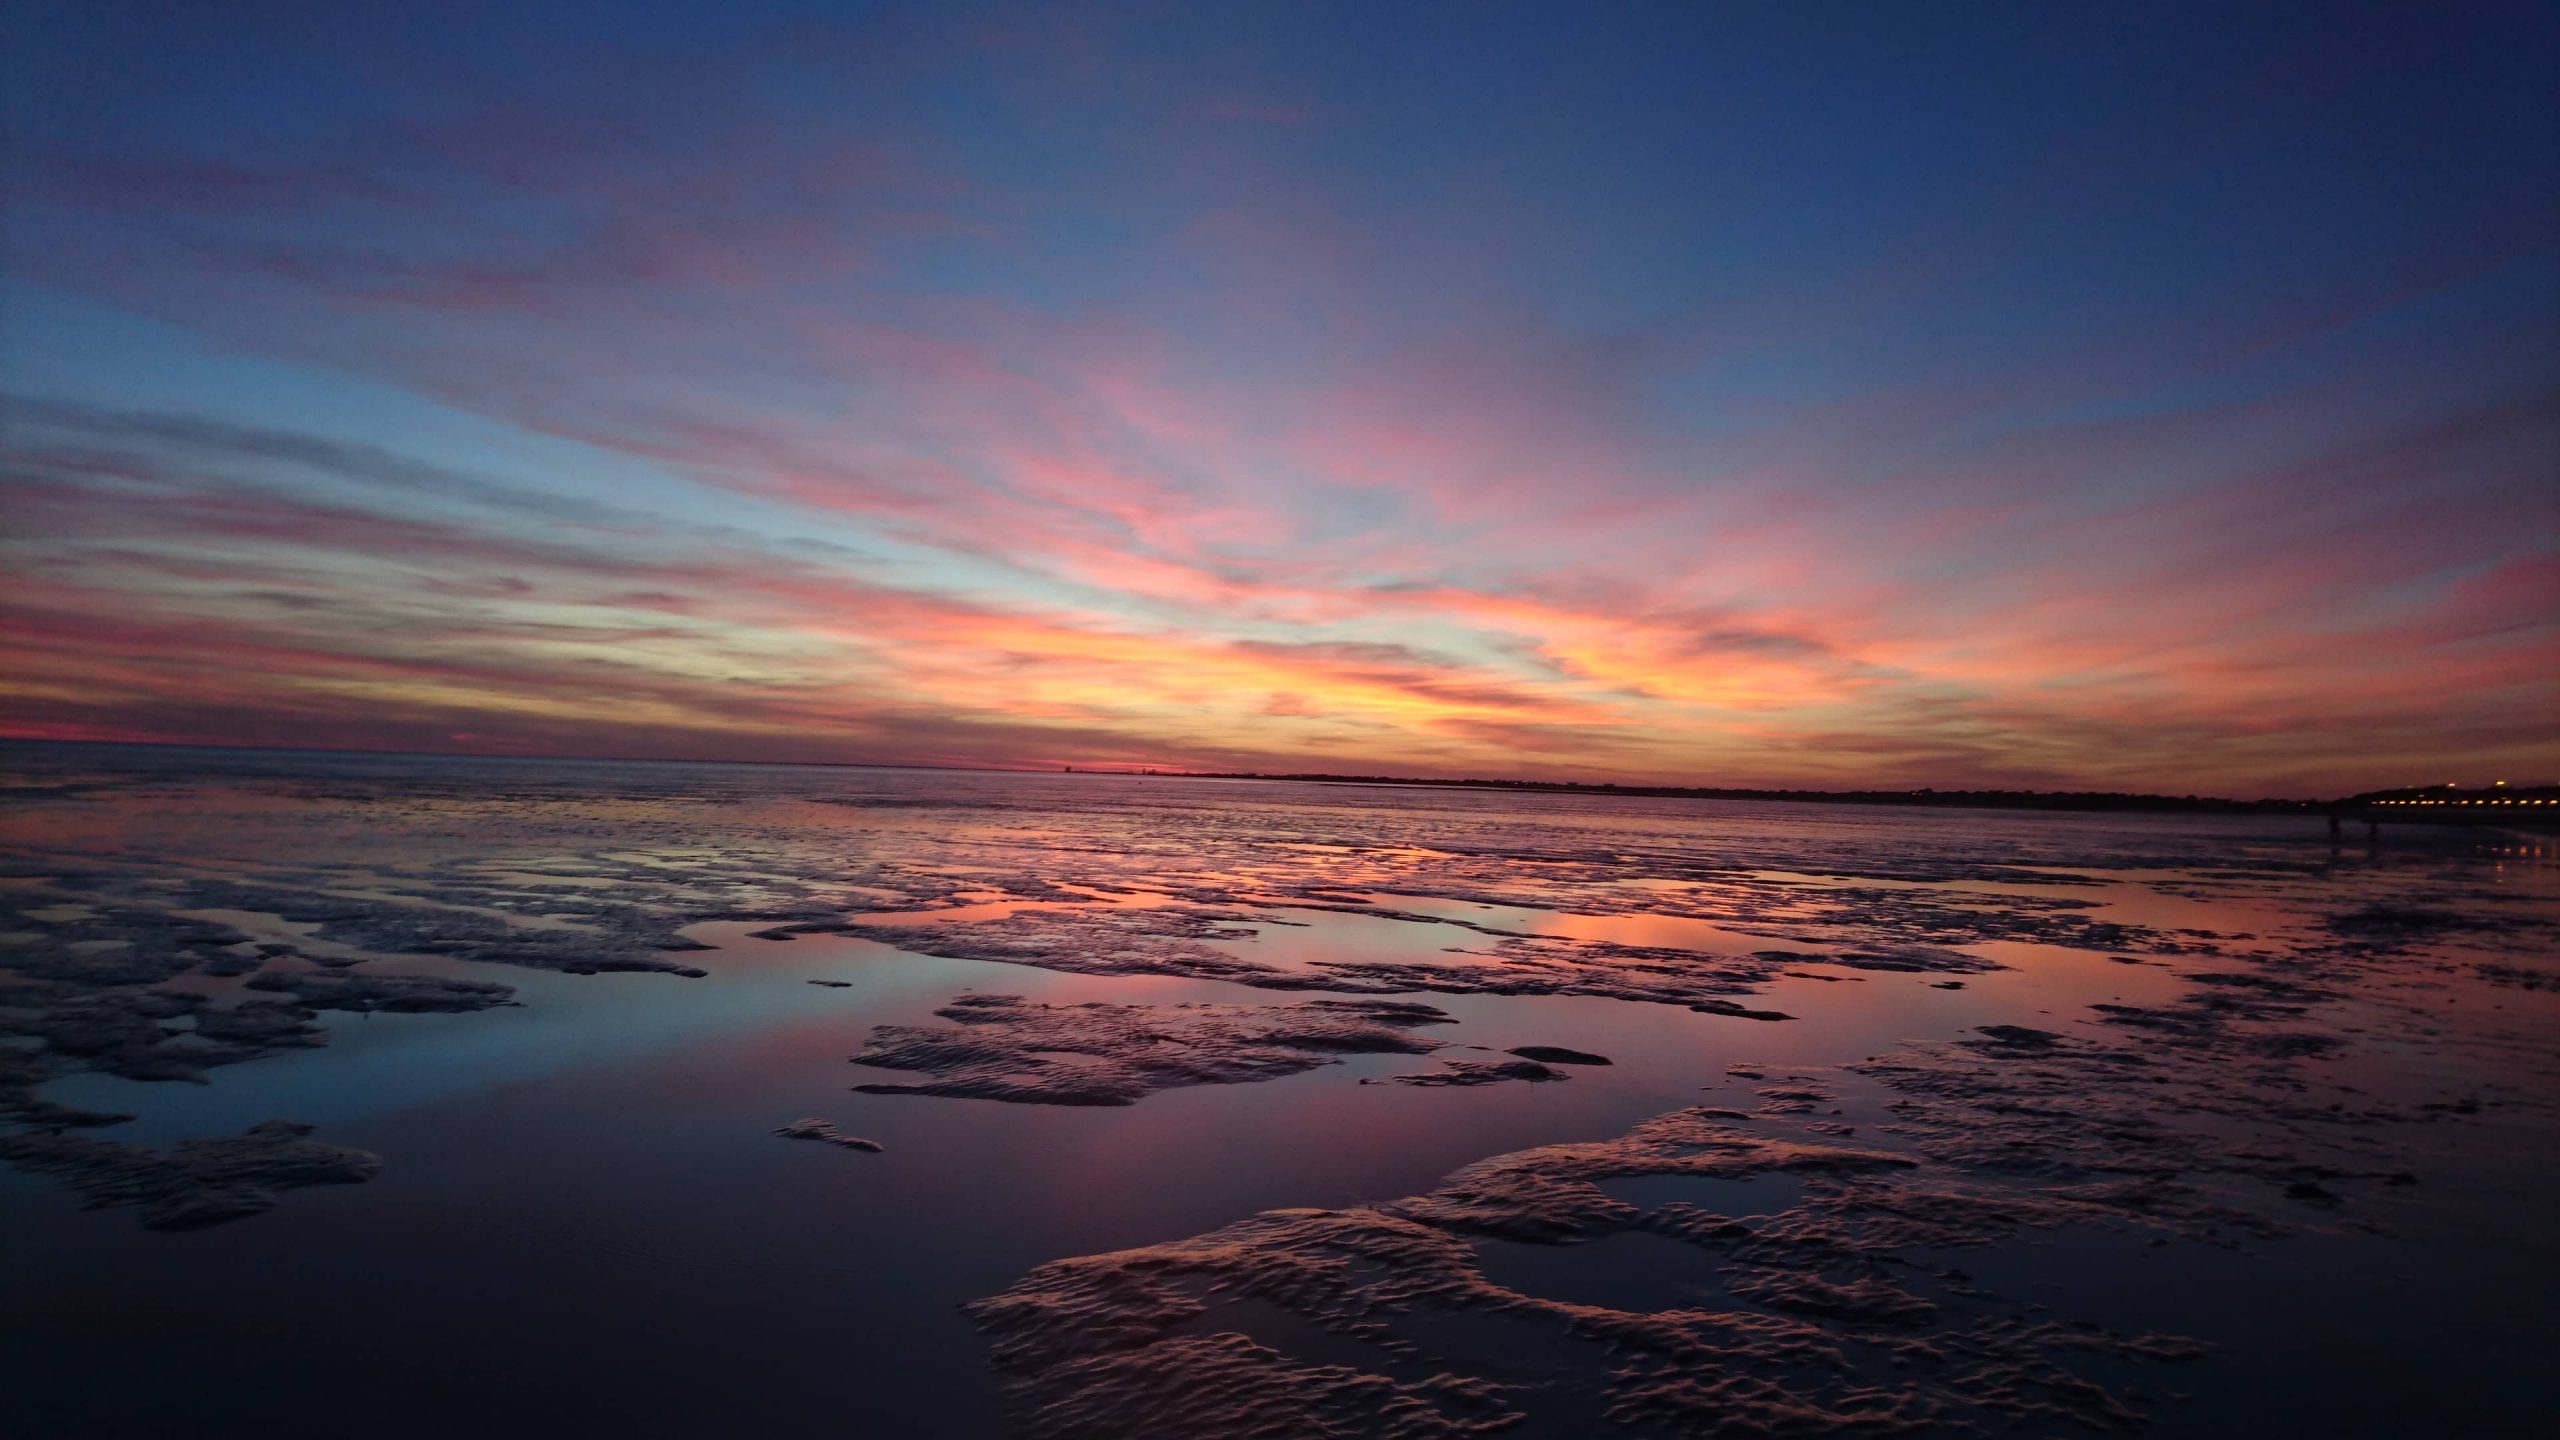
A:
(583, 1218)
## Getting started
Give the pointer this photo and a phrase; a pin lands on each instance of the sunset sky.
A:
(2146, 396)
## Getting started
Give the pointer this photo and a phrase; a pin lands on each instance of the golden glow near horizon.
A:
(1374, 431)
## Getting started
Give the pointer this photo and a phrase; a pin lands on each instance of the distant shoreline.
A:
(2537, 806)
(2077, 800)
(2447, 804)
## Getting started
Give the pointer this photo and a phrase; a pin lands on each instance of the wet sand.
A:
(2218, 1107)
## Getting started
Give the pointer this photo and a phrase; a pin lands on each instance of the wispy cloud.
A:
(1042, 389)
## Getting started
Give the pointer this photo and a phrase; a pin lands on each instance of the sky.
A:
(2156, 396)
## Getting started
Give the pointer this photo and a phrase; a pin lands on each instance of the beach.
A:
(1360, 1110)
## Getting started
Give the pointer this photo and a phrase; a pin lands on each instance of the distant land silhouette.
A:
(2429, 804)
(2534, 805)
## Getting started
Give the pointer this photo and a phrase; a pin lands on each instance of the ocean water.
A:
(583, 1217)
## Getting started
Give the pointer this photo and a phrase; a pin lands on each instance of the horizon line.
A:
(1134, 769)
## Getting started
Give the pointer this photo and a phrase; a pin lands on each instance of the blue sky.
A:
(2156, 396)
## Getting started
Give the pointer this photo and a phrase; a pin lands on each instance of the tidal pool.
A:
(1913, 1119)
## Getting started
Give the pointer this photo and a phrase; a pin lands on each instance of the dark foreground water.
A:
(2260, 1137)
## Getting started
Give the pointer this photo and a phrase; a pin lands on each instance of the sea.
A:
(1994, 1121)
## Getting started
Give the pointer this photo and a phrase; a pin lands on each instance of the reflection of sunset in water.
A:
(2244, 983)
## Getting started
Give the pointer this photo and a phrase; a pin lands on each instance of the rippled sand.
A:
(1711, 1118)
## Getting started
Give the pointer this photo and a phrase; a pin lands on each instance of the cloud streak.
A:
(1081, 394)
